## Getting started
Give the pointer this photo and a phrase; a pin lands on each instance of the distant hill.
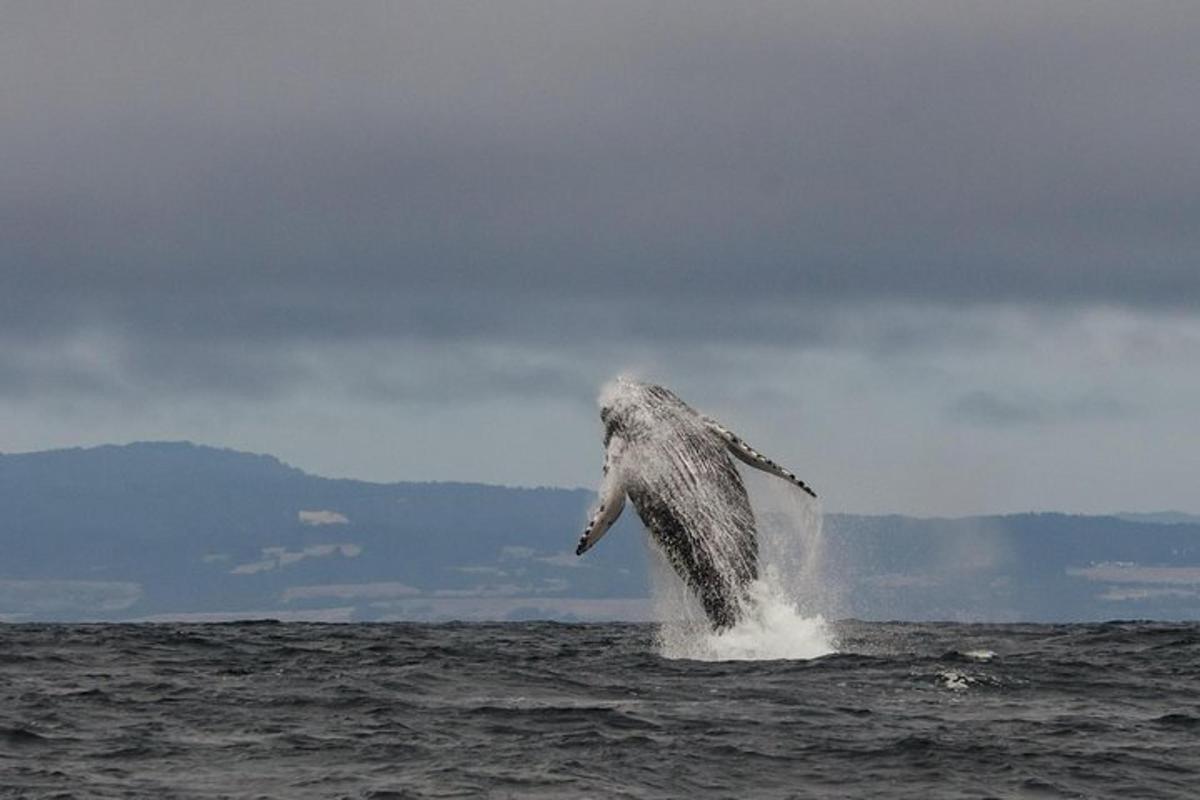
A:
(1161, 517)
(176, 530)
(173, 528)
(1021, 567)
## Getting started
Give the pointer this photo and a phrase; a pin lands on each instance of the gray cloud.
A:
(984, 408)
(222, 172)
(1016, 408)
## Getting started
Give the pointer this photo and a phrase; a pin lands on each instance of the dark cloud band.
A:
(287, 176)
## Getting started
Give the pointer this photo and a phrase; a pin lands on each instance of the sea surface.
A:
(553, 710)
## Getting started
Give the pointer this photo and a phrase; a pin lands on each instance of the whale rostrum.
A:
(674, 464)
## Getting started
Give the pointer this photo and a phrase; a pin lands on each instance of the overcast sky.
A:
(938, 258)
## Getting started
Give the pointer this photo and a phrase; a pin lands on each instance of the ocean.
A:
(545, 710)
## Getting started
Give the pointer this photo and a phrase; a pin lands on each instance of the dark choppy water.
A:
(545, 710)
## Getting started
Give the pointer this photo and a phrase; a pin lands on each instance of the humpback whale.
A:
(674, 464)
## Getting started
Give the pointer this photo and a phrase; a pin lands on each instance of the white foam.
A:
(783, 618)
(772, 628)
(954, 680)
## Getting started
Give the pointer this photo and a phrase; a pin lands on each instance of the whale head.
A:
(632, 407)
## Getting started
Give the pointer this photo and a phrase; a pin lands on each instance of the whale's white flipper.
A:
(612, 503)
(748, 455)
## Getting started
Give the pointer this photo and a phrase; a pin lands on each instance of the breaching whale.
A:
(674, 464)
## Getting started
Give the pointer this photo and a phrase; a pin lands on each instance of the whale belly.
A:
(704, 525)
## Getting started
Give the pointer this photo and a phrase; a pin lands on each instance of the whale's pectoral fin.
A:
(612, 502)
(748, 455)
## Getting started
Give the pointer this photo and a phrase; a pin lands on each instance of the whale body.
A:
(676, 466)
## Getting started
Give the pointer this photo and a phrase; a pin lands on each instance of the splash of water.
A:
(785, 615)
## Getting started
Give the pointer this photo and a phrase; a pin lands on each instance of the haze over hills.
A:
(180, 531)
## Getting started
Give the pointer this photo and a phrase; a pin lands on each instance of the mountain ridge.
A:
(155, 530)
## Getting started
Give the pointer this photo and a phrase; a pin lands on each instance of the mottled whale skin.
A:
(675, 465)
